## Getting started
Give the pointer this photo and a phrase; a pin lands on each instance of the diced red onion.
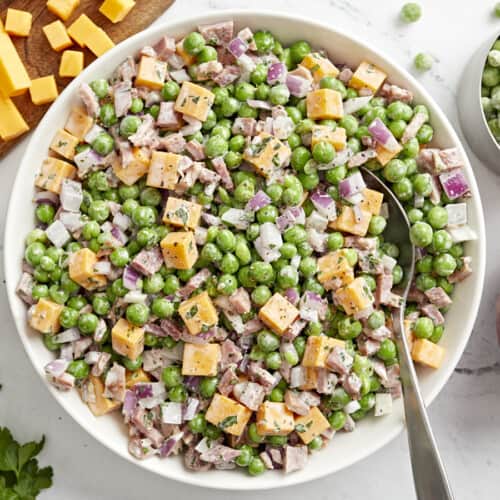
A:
(168, 447)
(237, 47)
(355, 104)
(258, 104)
(258, 201)
(87, 160)
(192, 382)
(298, 87)
(269, 242)
(462, 233)
(237, 217)
(171, 413)
(66, 351)
(454, 184)
(156, 330)
(180, 75)
(119, 235)
(58, 234)
(66, 336)
(352, 407)
(71, 195)
(129, 404)
(383, 135)
(297, 377)
(352, 185)
(189, 409)
(56, 367)
(46, 197)
(92, 357)
(100, 331)
(324, 204)
(130, 278)
(317, 221)
(102, 267)
(276, 73)
(122, 221)
(290, 217)
(292, 296)
(135, 297)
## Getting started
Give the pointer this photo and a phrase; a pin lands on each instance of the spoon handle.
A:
(431, 482)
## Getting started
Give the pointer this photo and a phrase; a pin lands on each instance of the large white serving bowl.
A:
(345, 448)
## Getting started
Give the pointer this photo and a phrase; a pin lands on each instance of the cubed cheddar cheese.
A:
(266, 153)
(337, 138)
(228, 415)
(14, 79)
(384, 156)
(319, 66)
(311, 425)
(102, 405)
(87, 34)
(12, 123)
(71, 64)
(116, 10)
(372, 201)
(354, 297)
(278, 314)
(347, 221)
(137, 377)
(57, 36)
(187, 58)
(44, 316)
(62, 8)
(18, 22)
(81, 269)
(334, 267)
(274, 419)
(317, 349)
(137, 168)
(198, 313)
(367, 76)
(127, 339)
(324, 104)
(163, 170)
(201, 359)
(427, 353)
(43, 90)
(194, 100)
(78, 123)
(179, 249)
(99, 42)
(182, 213)
(64, 144)
(151, 73)
(52, 173)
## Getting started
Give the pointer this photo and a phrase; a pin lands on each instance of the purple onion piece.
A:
(276, 73)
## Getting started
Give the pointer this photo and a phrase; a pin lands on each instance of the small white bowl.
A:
(345, 449)
(470, 110)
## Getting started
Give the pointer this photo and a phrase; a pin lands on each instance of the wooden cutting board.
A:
(41, 60)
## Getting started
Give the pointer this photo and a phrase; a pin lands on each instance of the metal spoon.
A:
(431, 482)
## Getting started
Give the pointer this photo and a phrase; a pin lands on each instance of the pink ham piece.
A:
(218, 33)
(24, 288)
(295, 329)
(195, 149)
(168, 118)
(240, 301)
(345, 75)
(146, 135)
(194, 283)
(244, 126)
(295, 403)
(230, 354)
(173, 143)
(339, 360)
(101, 364)
(432, 312)
(122, 97)
(326, 381)
(219, 454)
(250, 394)
(413, 127)
(383, 290)
(148, 261)
(164, 47)
(394, 93)
(361, 158)
(208, 70)
(367, 346)
(114, 384)
(261, 376)
(228, 381)
(463, 272)
(127, 69)
(89, 99)
(294, 458)
(438, 297)
(352, 385)
(227, 76)
(220, 167)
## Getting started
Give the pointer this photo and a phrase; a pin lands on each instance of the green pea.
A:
(45, 213)
(100, 88)
(300, 156)
(68, 317)
(268, 213)
(437, 217)
(261, 294)
(87, 323)
(411, 148)
(198, 424)
(273, 361)
(387, 350)
(39, 291)
(227, 284)
(268, 341)
(397, 274)
(79, 369)
(229, 264)
(244, 91)
(279, 94)
(442, 241)
(425, 281)
(99, 211)
(421, 234)
(216, 146)
(264, 41)
(171, 376)
(337, 420)
(36, 235)
(262, 272)
(254, 435)
(437, 334)
(425, 134)
(444, 265)
(129, 125)
(162, 308)
(154, 284)
(150, 197)
(34, 252)
(423, 62)
(335, 241)
(58, 295)
(329, 82)
(206, 54)
(107, 115)
(423, 328)
(259, 74)
(256, 466)
(349, 329)
(377, 225)
(245, 457)
(411, 12)
(137, 314)
(226, 240)
(308, 266)
(178, 394)
(48, 342)
(193, 43)
(415, 215)
(299, 50)
(323, 152)
(101, 305)
(394, 171)
(132, 364)
(376, 320)
(144, 216)
(338, 400)
(295, 234)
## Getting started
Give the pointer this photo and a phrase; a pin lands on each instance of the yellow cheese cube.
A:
(179, 249)
(426, 352)
(12, 123)
(62, 8)
(18, 22)
(81, 269)
(43, 90)
(116, 10)
(354, 297)
(127, 339)
(384, 156)
(52, 173)
(311, 425)
(334, 266)
(372, 201)
(182, 213)
(198, 313)
(228, 415)
(274, 419)
(319, 66)
(98, 41)
(318, 348)
(71, 64)
(310, 379)
(151, 73)
(337, 138)
(163, 170)
(134, 170)
(14, 79)
(194, 100)
(64, 144)
(324, 104)
(187, 58)
(266, 153)
(367, 76)
(137, 377)
(57, 36)
(101, 405)
(44, 316)
(348, 223)
(278, 314)
(201, 359)
(81, 29)
(78, 123)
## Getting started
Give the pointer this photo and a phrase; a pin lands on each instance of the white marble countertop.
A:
(465, 416)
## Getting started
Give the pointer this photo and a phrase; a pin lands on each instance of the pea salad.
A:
(208, 261)
(490, 90)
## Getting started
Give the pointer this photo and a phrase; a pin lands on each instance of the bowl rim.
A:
(208, 17)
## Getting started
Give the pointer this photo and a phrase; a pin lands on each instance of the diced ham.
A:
(295, 403)
(283, 126)
(171, 329)
(165, 47)
(252, 326)
(24, 288)
(148, 261)
(195, 149)
(228, 381)
(438, 297)
(173, 143)
(207, 176)
(266, 458)
(240, 301)
(218, 33)
(326, 381)
(122, 97)
(227, 76)
(148, 51)
(193, 462)
(168, 118)
(146, 134)
(100, 366)
(370, 263)
(250, 394)
(437, 161)
(89, 99)
(114, 384)
(463, 272)
(345, 75)
(339, 360)
(188, 176)
(294, 330)
(367, 346)
(154, 359)
(194, 282)
(142, 420)
(394, 93)
(294, 458)
(220, 167)
(383, 290)
(127, 69)
(219, 454)
(125, 150)
(432, 312)
(244, 126)
(352, 385)
(360, 243)
(413, 127)
(81, 346)
(415, 295)
(208, 70)
(380, 369)
(361, 158)
(262, 376)
(379, 334)
(230, 354)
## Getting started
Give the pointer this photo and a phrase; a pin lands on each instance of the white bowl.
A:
(470, 110)
(345, 449)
